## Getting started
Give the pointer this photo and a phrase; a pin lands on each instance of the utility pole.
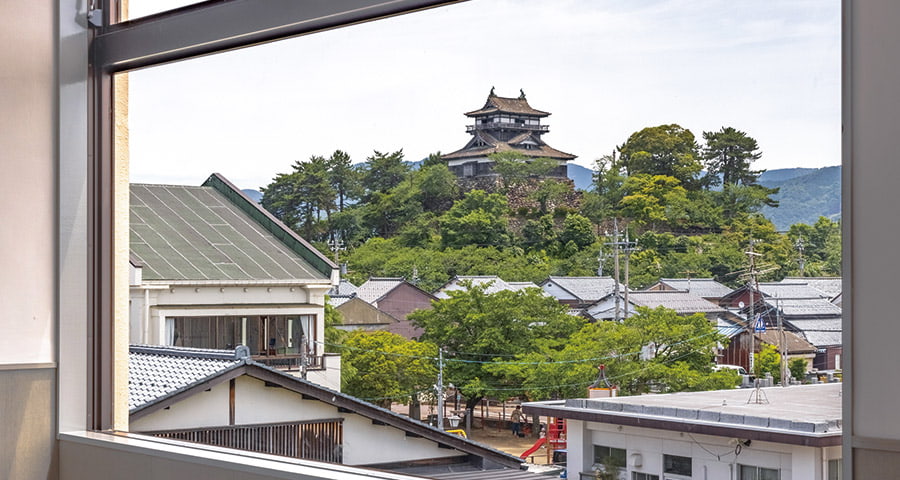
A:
(754, 286)
(440, 390)
(801, 261)
(336, 245)
(629, 247)
(782, 346)
(615, 245)
(304, 356)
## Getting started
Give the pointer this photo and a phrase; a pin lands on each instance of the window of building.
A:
(643, 476)
(835, 469)
(752, 472)
(604, 455)
(677, 465)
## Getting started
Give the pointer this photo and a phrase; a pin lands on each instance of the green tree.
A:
(384, 171)
(479, 218)
(479, 328)
(344, 178)
(514, 168)
(654, 199)
(668, 150)
(768, 360)
(578, 230)
(383, 367)
(438, 187)
(728, 153)
(334, 336)
(548, 192)
(797, 366)
(655, 350)
(540, 233)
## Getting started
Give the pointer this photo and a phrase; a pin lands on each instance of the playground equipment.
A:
(554, 437)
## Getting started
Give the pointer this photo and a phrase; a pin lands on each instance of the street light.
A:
(454, 420)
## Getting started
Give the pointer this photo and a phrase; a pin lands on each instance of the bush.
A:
(797, 366)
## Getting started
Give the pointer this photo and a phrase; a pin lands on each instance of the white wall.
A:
(364, 442)
(713, 456)
(204, 409)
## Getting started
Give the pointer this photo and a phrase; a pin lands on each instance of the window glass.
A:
(643, 476)
(612, 455)
(835, 469)
(752, 472)
(677, 465)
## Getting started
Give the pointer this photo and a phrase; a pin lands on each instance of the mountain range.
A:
(804, 195)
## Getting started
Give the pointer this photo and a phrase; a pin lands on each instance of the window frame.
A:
(674, 469)
(205, 28)
(610, 454)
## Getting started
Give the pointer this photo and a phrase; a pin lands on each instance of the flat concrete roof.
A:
(783, 414)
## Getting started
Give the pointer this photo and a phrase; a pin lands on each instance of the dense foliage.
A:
(388, 218)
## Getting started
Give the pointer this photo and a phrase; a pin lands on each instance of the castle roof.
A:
(495, 104)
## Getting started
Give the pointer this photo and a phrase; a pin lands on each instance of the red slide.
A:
(534, 447)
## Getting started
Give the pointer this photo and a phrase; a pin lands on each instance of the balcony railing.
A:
(508, 126)
(291, 362)
(320, 440)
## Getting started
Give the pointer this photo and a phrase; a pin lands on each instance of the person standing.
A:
(516, 421)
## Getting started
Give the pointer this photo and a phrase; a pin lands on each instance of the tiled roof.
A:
(821, 307)
(587, 289)
(680, 301)
(496, 284)
(186, 368)
(818, 331)
(155, 372)
(338, 300)
(377, 287)
(495, 104)
(702, 287)
(830, 286)
(343, 288)
(197, 233)
(543, 150)
(791, 290)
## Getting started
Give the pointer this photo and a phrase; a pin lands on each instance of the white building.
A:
(210, 268)
(788, 434)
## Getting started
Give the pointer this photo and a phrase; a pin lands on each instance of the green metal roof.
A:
(199, 233)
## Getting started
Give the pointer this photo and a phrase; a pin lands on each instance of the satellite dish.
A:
(741, 304)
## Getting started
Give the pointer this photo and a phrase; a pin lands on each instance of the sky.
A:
(604, 69)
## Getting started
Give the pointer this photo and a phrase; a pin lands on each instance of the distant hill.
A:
(803, 198)
(254, 195)
(782, 174)
(583, 177)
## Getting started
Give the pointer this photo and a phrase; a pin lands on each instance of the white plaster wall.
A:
(557, 292)
(233, 295)
(364, 442)
(331, 376)
(28, 183)
(795, 462)
(204, 409)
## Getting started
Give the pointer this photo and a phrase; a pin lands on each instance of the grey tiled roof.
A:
(702, 287)
(588, 289)
(821, 307)
(819, 331)
(196, 233)
(681, 302)
(830, 286)
(791, 290)
(496, 284)
(377, 287)
(344, 288)
(338, 300)
(157, 372)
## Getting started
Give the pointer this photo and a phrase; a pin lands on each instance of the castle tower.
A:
(504, 125)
